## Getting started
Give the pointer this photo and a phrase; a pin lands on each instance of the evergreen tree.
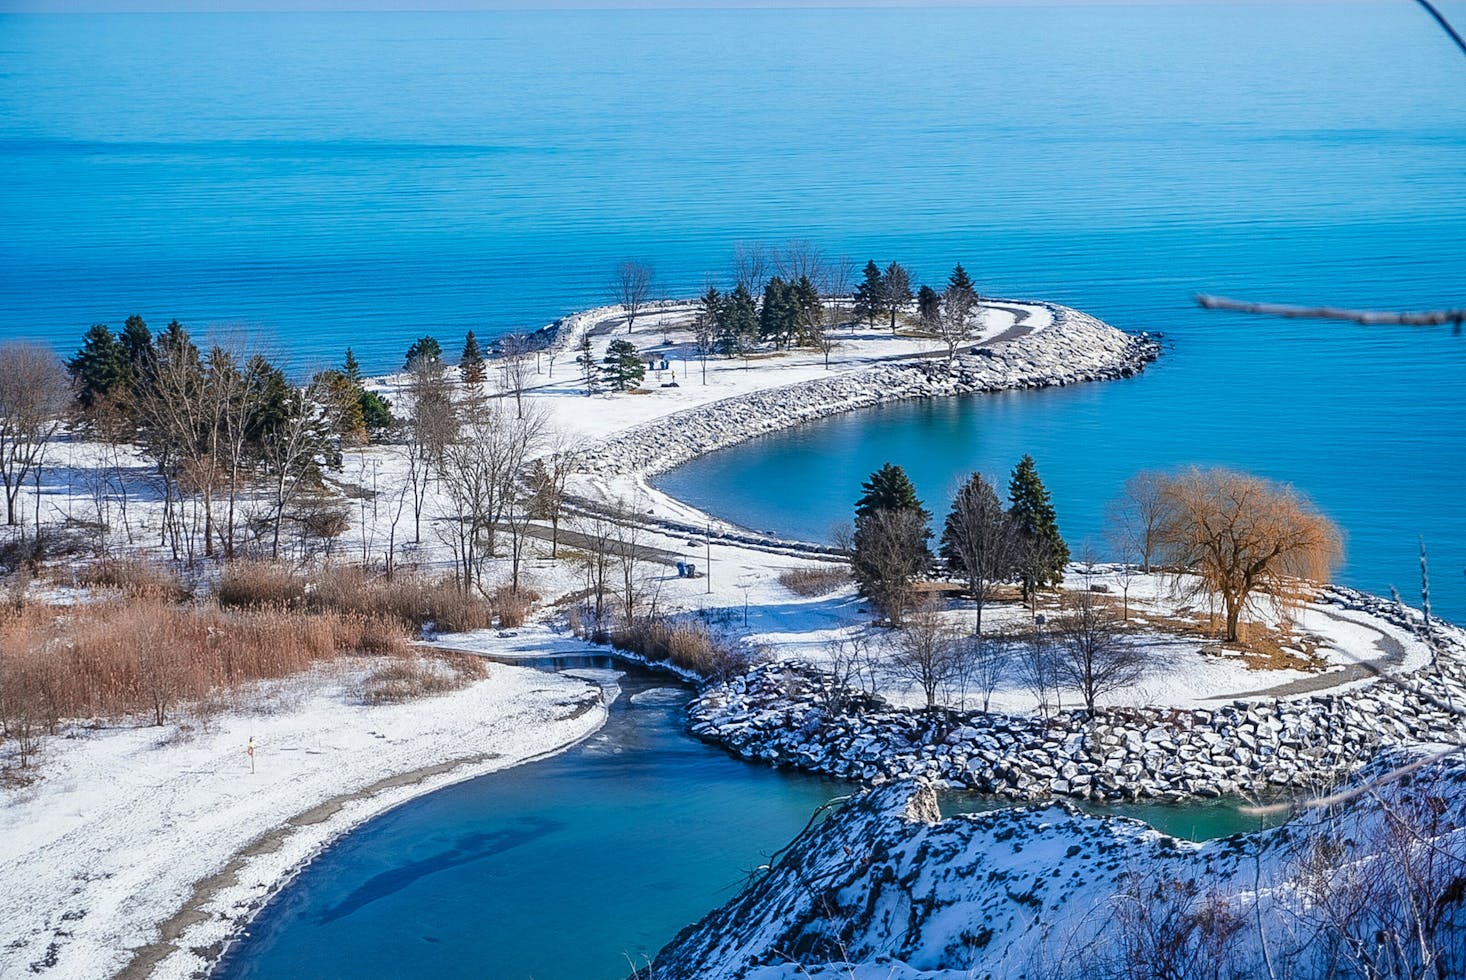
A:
(928, 306)
(174, 341)
(897, 290)
(471, 362)
(959, 279)
(623, 368)
(350, 369)
(100, 368)
(889, 488)
(138, 340)
(809, 308)
(778, 315)
(590, 371)
(376, 412)
(870, 294)
(741, 322)
(424, 348)
(890, 542)
(1042, 552)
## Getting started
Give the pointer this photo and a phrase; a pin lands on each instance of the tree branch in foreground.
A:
(1427, 318)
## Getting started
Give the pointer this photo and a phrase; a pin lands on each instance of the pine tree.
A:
(623, 369)
(590, 371)
(471, 361)
(350, 368)
(897, 291)
(959, 279)
(807, 305)
(100, 368)
(741, 322)
(138, 340)
(1043, 553)
(376, 412)
(870, 294)
(889, 488)
(424, 348)
(928, 306)
(776, 319)
(890, 541)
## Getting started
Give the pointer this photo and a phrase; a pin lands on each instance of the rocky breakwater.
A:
(886, 887)
(1072, 347)
(791, 714)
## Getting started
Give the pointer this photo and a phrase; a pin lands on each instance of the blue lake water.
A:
(320, 180)
(324, 180)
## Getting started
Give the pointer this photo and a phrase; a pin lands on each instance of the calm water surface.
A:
(320, 180)
(573, 868)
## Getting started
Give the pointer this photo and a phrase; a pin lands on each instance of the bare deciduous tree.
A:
(1092, 653)
(596, 534)
(890, 553)
(1133, 519)
(979, 542)
(633, 286)
(750, 265)
(955, 319)
(515, 353)
(480, 472)
(1037, 666)
(299, 448)
(34, 393)
(547, 478)
(849, 666)
(800, 259)
(1242, 537)
(927, 653)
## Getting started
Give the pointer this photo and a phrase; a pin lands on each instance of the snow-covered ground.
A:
(887, 888)
(1180, 670)
(135, 828)
(125, 822)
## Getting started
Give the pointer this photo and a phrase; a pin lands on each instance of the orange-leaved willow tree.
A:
(1242, 537)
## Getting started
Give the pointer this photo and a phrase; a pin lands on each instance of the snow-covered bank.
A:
(1067, 347)
(782, 713)
(886, 888)
(143, 849)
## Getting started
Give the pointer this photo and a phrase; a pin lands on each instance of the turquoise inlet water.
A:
(576, 868)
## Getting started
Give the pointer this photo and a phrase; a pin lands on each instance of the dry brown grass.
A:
(146, 657)
(687, 643)
(814, 580)
(410, 599)
(259, 584)
(412, 678)
(512, 606)
(134, 577)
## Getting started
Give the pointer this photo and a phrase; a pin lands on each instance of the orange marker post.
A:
(250, 751)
